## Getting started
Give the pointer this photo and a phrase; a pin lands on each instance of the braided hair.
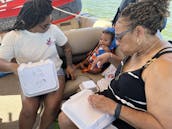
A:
(148, 13)
(32, 13)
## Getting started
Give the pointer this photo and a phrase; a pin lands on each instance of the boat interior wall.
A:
(87, 22)
(68, 25)
(83, 22)
(102, 23)
(77, 23)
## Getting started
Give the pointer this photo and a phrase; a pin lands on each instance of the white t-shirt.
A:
(27, 47)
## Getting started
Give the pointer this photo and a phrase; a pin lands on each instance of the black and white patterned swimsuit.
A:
(128, 88)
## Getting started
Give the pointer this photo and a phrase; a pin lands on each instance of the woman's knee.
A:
(29, 112)
(63, 119)
(52, 101)
(65, 122)
(52, 104)
(61, 83)
(29, 107)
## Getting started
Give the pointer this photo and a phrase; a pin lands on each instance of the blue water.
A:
(106, 9)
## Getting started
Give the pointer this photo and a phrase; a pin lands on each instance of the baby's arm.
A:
(106, 48)
(82, 64)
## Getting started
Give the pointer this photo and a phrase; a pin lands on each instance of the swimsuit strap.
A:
(162, 52)
(157, 55)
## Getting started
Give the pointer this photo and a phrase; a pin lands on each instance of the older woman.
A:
(140, 94)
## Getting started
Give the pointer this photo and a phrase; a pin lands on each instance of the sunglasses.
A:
(122, 34)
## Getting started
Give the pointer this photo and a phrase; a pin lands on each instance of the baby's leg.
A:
(82, 64)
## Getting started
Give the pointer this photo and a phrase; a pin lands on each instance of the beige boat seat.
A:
(82, 41)
(77, 23)
(68, 25)
(83, 22)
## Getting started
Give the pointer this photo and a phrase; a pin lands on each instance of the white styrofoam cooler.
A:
(85, 116)
(38, 78)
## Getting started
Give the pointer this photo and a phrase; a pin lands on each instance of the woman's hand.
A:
(68, 54)
(100, 60)
(14, 67)
(6, 66)
(102, 103)
(70, 71)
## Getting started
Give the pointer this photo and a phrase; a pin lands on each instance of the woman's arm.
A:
(114, 59)
(6, 66)
(107, 57)
(158, 87)
(7, 52)
(158, 80)
(137, 119)
(68, 54)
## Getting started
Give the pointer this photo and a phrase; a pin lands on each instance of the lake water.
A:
(106, 9)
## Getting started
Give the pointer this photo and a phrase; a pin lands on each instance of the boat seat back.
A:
(68, 25)
(77, 23)
(87, 22)
(82, 41)
(83, 22)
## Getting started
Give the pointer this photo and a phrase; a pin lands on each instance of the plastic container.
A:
(38, 78)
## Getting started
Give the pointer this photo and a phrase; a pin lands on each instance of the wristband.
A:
(117, 111)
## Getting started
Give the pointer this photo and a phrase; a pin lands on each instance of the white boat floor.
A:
(10, 103)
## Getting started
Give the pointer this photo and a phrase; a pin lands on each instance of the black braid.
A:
(32, 13)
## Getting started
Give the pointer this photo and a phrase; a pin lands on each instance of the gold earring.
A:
(138, 41)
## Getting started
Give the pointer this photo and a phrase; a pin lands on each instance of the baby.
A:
(106, 44)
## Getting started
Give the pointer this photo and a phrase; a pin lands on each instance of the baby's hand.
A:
(100, 60)
(80, 66)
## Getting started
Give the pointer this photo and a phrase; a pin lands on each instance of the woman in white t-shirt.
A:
(34, 38)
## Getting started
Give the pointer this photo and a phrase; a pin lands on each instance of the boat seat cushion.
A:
(82, 40)
(72, 86)
(68, 25)
(10, 84)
